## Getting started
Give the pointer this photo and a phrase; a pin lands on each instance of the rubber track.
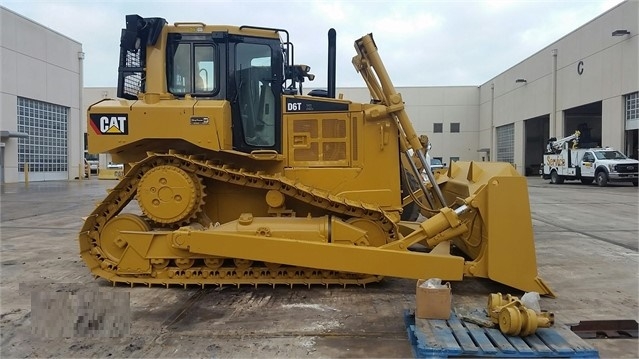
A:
(125, 191)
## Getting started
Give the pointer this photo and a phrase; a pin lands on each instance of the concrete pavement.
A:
(586, 240)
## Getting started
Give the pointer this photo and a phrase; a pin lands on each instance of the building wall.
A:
(592, 65)
(39, 64)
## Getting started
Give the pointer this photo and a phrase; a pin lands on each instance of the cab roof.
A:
(244, 30)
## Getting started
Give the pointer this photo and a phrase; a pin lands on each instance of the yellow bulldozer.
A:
(234, 176)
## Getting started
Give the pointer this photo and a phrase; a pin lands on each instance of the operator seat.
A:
(200, 83)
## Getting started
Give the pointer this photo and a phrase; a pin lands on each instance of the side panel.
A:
(351, 183)
(116, 124)
(339, 152)
(554, 161)
(213, 120)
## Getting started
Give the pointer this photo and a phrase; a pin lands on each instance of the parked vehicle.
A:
(436, 163)
(603, 165)
(93, 161)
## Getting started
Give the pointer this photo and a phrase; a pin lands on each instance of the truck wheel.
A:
(587, 180)
(602, 179)
(555, 178)
(635, 183)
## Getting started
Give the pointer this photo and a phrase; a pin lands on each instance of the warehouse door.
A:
(586, 119)
(536, 135)
(506, 143)
(631, 143)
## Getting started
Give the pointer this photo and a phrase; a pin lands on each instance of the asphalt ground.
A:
(587, 251)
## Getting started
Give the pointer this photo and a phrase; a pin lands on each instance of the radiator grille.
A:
(320, 142)
(627, 168)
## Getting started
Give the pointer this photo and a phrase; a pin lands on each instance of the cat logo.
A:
(110, 124)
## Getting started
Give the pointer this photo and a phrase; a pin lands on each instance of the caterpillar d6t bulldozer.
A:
(233, 176)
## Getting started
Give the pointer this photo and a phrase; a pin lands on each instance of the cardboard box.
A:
(432, 303)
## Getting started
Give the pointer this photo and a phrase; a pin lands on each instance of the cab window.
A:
(205, 69)
(192, 68)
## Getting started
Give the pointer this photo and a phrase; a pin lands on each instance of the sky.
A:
(422, 42)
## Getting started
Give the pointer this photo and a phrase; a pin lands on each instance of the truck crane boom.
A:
(556, 145)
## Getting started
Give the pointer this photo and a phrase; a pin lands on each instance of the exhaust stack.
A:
(331, 63)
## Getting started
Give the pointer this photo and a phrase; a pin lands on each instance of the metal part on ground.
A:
(514, 318)
(610, 329)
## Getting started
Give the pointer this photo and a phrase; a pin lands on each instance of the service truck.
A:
(563, 161)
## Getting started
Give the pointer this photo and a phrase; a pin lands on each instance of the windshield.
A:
(435, 161)
(609, 155)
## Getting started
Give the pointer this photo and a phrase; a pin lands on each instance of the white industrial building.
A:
(40, 97)
(588, 81)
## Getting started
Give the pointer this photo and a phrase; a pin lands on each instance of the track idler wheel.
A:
(516, 320)
(111, 243)
(169, 195)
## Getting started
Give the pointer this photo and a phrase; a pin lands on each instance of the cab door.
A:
(587, 165)
(256, 82)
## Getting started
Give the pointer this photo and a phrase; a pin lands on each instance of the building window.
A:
(632, 106)
(454, 159)
(45, 150)
(506, 143)
(454, 127)
(438, 127)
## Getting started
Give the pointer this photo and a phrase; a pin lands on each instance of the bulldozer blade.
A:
(501, 242)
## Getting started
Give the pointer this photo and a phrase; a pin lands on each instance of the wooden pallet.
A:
(456, 338)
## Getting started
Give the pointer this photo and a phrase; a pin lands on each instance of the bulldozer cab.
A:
(246, 70)
(235, 68)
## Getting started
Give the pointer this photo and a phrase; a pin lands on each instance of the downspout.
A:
(553, 113)
(492, 120)
(80, 116)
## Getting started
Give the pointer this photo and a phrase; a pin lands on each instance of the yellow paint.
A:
(324, 210)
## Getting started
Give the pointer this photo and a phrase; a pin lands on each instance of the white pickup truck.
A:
(602, 165)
